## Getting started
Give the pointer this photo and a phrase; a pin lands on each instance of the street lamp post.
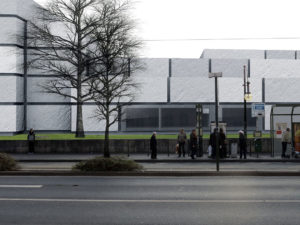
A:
(216, 75)
(199, 110)
(247, 97)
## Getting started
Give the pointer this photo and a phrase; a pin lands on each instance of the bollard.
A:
(128, 148)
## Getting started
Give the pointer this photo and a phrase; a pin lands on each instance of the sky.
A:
(170, 27)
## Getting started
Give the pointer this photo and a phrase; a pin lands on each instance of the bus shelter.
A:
(281, 118)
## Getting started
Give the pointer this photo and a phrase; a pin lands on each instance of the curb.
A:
(150, 173)
(168, 160)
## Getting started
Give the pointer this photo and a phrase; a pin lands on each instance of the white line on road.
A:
(149, 200)
(21, 186)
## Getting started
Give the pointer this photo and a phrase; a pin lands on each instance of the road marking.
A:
(21, 186)
(148, 200)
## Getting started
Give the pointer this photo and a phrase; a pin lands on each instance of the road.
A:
(149, 200)
(178, 166)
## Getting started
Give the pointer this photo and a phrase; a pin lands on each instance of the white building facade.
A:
(169, 88)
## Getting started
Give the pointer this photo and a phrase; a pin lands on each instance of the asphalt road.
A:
(178, 166)
(151, 200)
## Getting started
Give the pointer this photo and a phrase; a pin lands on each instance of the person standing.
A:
(286, 139)
(153, 146)
(242, 144)
(31, 140)
(212, 142)
(181, 141)
(193, 143)
(223, 150)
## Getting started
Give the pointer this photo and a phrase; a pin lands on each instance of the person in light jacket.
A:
(31, 140)
(181, 139)
(286, 139)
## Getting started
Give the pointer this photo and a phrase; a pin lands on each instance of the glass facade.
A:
(172, 118)
(142, 117)
(178, 117)
(234, 117)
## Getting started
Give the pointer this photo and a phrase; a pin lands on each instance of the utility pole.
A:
(247, 96)
(216, 75)
(199, 111)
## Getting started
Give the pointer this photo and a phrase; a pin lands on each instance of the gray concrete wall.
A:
(280, 54)
(190, 67)
(116, 146)
(36, 93)
(90, 122)
(49, 117)
(229, 67)
(153, 67)
(233, 54)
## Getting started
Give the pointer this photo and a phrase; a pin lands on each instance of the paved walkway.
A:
(166, 164)
(142, 158)
(173, 167)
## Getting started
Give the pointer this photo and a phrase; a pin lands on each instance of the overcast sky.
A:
(204, 19)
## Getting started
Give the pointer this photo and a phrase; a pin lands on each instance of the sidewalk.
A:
(61, 165)
(144, 158)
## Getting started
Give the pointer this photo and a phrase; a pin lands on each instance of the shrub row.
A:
(108, 164)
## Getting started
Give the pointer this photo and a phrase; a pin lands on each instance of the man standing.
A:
(181, 141)
(213, 142)
(31, 140)
(153, 146)
(286, 139)
(242, 144)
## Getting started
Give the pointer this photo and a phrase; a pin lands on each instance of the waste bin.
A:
(233, 150)
(257, 145)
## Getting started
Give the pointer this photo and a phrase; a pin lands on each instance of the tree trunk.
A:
(79, 121)
(106, 139)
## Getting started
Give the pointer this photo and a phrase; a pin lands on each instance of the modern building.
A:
(169, 88)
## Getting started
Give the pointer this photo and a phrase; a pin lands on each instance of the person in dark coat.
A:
(242, 144)
(212, 142)
(193, 143)
(153, 146)
(31, 140)
(223, 150)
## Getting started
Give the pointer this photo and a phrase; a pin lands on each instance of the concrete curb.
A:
(149, 173)
(167, 160)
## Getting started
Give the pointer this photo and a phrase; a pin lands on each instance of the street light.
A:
(199, 109)
(216, 75)
(247, 97)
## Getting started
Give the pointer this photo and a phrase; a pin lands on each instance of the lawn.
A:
(112, 136)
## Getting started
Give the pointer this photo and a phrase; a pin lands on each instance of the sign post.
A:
(216, 75)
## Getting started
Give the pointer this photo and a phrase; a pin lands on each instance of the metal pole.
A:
(217, 124)
(168, 148)
(25, 75)
(245, 107)
(199, 127)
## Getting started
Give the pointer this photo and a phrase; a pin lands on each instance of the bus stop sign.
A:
(258, 109)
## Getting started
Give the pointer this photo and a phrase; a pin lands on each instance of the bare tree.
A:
(59, 40)
(114, 58)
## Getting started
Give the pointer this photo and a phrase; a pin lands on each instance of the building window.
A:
(142, 117)
(234, 117)
(178, 117)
